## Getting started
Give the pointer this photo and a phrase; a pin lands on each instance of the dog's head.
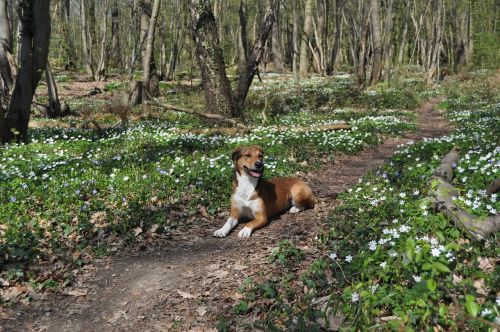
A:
(249, 160)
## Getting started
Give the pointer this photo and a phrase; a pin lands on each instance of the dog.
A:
(257, 199)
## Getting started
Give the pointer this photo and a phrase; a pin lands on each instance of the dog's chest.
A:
(244, 198)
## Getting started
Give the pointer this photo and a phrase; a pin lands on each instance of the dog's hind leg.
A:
(302, 197)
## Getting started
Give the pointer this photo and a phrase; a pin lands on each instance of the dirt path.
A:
(186, 280)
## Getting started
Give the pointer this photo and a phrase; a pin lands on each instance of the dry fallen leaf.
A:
(186, 295)
(117, 315)
(201, 311)
(486, 264)
(480, 287)
(77, 292)
(137, 231)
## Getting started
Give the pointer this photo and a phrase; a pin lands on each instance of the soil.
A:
(185, 280)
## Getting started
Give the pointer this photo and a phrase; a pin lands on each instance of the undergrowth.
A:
(390, 262)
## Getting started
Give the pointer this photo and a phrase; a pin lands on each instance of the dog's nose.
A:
(259, 164)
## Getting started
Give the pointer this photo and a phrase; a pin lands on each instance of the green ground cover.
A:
(71, 194)
(390, 261)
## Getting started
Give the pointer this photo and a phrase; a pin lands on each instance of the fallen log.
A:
(442, 192)
(211, 116)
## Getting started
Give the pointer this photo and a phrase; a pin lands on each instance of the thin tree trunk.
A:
(7, 66)
(55, 108)
(87, 52)
(35, 38)
(256, 54)
(100, 74)
(275, 42)
(116, 60)
(242, 40)
(69, 52)
(295, 37)
(388, 27)
(304, 46)
(377, 49)
(337, 36)
(150, 90)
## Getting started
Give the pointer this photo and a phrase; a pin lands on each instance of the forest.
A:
(121, 124)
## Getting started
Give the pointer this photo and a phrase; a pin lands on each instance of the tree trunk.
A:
(55, 108)
(242, 38)
(304, 46)
(387, 38)
(86, 47)
(377, 49)
(149, 83)
(336, 38)
(69, 53)
(35, 38)
(116, 60)
(275, 42)
(256, 54)
(218, 94)
(295, 37)
(100, 74)
(7, 66)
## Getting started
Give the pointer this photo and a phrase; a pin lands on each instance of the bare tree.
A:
(377, 50)
(86, 44)
(115, 54)
(304, 45)
(7, 66)
(35, 38)
(275, 42)
(218, 95)
(150, 78)
(100, 74)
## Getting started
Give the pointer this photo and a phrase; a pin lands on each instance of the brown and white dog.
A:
(257, 199)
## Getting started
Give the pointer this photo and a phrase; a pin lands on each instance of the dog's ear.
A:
(236, 154)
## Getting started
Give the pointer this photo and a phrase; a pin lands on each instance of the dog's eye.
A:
(248, 155)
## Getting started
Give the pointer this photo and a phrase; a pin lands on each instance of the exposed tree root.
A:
(441, 194)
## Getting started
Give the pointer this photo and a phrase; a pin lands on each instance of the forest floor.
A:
(189, 279)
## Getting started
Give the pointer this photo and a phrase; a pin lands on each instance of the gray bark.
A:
(377, 49)
(100, 74)
(35, 38)
(115, 55)
(7, 66)
(256, 54)
(304, 45)
(86, 45)
(218, 94)
(150, 87)
(276, 43)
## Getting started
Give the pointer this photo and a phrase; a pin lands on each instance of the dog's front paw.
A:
(294, 209)
(221, 232)
(245, 233)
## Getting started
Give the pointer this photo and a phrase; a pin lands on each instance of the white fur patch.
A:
(295, 209)
(228, 226)
(241, 196)
(245, 233)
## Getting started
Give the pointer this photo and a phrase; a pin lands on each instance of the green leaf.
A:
(432, 285)
(471, 305)
(441, 267)
(420, 303)
(442, 310)
(410, 249)
(426, 266)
